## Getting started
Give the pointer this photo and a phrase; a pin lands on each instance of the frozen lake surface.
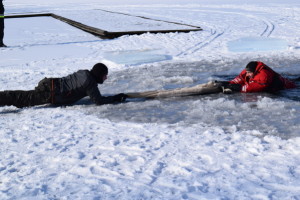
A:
(239, 146)
(256, 44)
(231, 112)
(135, 57)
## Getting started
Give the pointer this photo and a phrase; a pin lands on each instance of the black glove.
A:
(234, 87)
(120, 97)
(223, 83)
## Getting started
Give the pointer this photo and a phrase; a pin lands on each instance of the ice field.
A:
(239, 146)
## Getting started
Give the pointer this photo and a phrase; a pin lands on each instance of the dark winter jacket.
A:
(69, 89)
(264, 80)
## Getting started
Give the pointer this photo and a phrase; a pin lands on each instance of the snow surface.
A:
(243, 146)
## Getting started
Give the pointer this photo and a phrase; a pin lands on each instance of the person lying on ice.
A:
(63, 91)
(258, 77)
(1, 24)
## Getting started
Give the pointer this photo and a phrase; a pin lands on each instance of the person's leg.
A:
(1, 31)
(21, 99)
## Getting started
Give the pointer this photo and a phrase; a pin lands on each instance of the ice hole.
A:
(253, 44)
(135, 57)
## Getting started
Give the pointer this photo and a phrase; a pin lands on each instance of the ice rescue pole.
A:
(206, 88)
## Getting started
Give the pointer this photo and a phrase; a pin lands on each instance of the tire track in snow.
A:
(270, 27)
(214, 35)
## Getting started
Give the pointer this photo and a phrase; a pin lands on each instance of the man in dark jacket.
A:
(1, 24)
(63, 91)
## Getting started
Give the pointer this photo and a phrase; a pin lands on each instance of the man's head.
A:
(99, 71)
(250, 68)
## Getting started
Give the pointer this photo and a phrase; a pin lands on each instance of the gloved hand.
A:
(223, 83)
(234, 87)
(222, 86)
(120, 97)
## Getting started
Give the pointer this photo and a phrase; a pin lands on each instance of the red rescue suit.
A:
(264, 79)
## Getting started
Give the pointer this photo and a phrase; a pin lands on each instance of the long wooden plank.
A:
(206, 88)
(96, 31)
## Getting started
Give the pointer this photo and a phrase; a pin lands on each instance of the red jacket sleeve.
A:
(259, 83)
(240, 79)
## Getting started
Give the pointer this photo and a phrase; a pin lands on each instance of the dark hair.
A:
(98, 71)
(251, 66)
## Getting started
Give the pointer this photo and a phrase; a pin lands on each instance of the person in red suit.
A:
(258, 77)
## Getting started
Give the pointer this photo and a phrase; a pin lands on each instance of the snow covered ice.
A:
(243, 146)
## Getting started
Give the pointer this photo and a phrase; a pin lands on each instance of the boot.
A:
(2, 45)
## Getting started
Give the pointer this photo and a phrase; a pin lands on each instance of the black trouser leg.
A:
(1, 30)
(21, 98)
